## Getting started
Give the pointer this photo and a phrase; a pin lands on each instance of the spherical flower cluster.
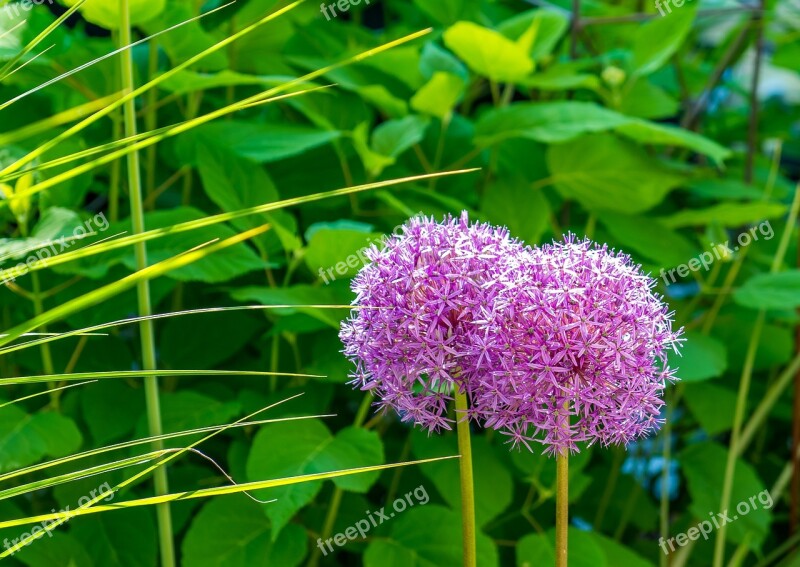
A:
(418, 299)
(575, 350)
(561, 344)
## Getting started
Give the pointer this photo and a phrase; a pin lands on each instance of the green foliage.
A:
(235, 531)
(312, 449)
(424, 537)
(702, 357)
(271, 162)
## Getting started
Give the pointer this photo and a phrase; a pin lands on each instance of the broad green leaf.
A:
(301, 294)
(234, 532)
(234, 183)
(11, 64)
(374, 162)
(435, 59)
(106, 13)
(56, 222)
(193, 39)
(646, 100)
(439, 96)
(127, 539)
(545, 122)
(336, 250)
(26, 439)
(713, 406)
(94, 506)
(659, 39)
(582, 550)
(312, 450)
(770, 291)
(513, 203)
(235, 261)
(605, 173)
(59, 548)
(344, 111)
(488, 53)
(264, 50)
(703, 464)
(552, 122)
(618, 554)
(186, 409)
(493, 483)
(191, 81)
(111, 421)
(401, 63)
(550, 26)
(394, 137)
(127, 444)
(183, 343)
(787, 55)
(207, 221)
(729, 215)
(352, 447)
(259, 142)
(426, 536)
(734, 329)
(377, 87)
(662, 134)
(649, 238)
(726, 189)
(521, 158)
(53, 142)
(701, 357)
(558, 79)
(449, 11)
(98, 508)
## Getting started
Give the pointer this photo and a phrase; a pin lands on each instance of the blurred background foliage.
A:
(660, 135)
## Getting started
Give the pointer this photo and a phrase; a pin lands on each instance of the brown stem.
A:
(688, 121)
(752, 129)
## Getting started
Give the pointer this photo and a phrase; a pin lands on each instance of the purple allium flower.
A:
(574, 349)
(418, 301)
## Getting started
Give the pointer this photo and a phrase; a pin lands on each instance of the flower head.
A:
(575, 350)
(420, 300)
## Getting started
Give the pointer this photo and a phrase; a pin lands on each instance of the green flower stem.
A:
(47, 357)
(37, 298)
(562, 508)
(143, 293)
(467, 482)
(330, 522)
(151, 120)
